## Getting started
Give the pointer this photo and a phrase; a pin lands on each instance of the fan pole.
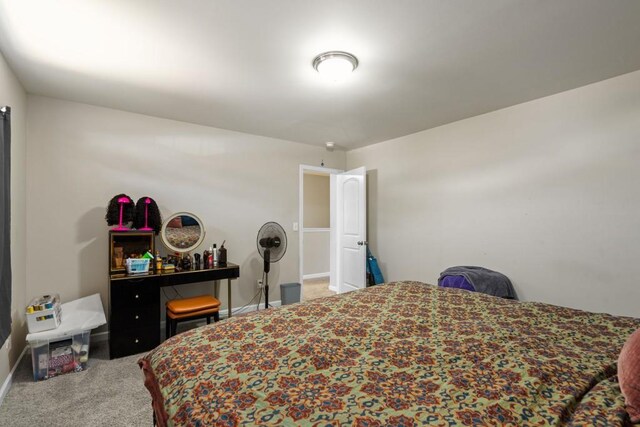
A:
(267, 267)
(266, 291)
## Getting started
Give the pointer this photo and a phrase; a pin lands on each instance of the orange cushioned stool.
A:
(199, 307)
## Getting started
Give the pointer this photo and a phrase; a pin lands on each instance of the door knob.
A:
(360, 243)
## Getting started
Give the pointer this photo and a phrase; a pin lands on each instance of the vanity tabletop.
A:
(229, 268)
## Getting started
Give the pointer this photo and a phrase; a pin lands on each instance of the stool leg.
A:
(167, 328)
(174, 326)
(216, 316)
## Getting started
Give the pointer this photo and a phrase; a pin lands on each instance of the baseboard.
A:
(100, 337)
(333, 289)
(248, 309)
(316, 275)
(6, 386)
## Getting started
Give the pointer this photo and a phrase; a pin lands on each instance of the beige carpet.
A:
(316, 288)
(108, 393)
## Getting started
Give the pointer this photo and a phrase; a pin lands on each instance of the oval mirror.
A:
(182, 232)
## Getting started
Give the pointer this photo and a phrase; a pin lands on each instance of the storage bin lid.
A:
(79, 315)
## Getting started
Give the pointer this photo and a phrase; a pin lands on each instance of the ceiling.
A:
(246, 65)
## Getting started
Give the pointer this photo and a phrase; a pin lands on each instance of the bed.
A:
(404, 353)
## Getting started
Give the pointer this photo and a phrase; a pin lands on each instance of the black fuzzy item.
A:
(113, 211)
(154, 219)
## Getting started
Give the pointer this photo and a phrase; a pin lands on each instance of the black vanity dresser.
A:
(134, 305)
(134, 299)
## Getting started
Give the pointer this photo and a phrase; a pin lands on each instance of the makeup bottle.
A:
(205, 258)
(211, 257)
(215, 255)
(222, 256)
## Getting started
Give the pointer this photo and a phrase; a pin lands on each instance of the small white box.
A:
(137, 266)
(44, 313)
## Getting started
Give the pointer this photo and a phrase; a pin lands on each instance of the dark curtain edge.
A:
(5, 225)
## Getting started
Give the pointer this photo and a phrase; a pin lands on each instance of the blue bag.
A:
(373, 270)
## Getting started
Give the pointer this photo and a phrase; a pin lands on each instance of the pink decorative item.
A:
(122, 201)
(146, 227)
(120, 211)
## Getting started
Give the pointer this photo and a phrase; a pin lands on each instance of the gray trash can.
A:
(289, 293)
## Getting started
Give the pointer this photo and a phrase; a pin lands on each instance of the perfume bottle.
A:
(222, 256)
(205, 258)
(158, 262)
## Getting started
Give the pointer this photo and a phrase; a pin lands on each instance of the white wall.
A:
(316, 252)
(80, 156)
(546, 192)
(13, 95)
(316, 201)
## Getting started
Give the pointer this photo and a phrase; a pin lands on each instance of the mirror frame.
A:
(176, 249)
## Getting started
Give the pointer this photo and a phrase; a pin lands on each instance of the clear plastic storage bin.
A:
(52, 358)
(66, 348)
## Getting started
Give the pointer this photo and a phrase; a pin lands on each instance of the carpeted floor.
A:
(108, 393)
(316, 288)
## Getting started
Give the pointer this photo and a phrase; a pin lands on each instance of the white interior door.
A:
(351, 233)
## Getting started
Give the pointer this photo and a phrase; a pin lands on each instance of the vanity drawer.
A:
(135, 317)
(133, 341)
(126, 295)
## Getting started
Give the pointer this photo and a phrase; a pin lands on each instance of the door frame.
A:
(332, 220)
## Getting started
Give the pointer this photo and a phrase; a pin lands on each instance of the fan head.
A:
(273, 237)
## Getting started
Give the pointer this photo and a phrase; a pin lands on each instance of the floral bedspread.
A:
(400, 354)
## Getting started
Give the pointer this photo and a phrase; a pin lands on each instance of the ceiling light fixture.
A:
(335, 65)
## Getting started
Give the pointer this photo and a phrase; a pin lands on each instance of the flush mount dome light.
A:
(335, 65)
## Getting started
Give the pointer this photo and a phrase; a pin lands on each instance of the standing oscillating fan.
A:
(272, 244)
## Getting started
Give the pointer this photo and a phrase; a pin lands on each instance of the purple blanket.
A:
(458, 282)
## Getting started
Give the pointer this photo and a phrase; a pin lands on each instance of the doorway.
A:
(317, 232)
